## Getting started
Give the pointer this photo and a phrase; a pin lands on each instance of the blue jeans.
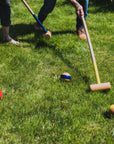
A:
(5, 12)
(84, 4)
(50, 4)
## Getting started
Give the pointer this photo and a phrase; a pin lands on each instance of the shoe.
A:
(12, 41)
(6, 37)
(81, 34)
(37, 26)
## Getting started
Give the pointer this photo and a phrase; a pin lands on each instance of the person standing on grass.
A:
(5, 13)
(81, 10)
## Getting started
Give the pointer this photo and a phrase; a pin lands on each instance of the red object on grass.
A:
(1, 94)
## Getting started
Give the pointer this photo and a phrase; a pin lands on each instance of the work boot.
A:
(37, 26)
(81, 34)
(6, 37)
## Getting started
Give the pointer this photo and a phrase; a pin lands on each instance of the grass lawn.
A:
(37, 107)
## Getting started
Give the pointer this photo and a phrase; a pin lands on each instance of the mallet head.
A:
(101, 86)
(48, 35)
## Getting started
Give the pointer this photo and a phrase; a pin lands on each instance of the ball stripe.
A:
(65, 76)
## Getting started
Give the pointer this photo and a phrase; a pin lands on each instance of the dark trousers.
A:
(46, 9)
(5, 12)
(50, 4)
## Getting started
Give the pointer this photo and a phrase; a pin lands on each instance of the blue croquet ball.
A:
(66, 76)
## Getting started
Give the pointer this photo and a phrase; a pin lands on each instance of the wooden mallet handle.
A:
(47, 33)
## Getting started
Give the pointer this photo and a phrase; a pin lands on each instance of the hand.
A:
(79, 11)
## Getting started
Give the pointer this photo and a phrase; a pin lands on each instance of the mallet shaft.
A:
(91, 50)
(98, 86)
(28, 7)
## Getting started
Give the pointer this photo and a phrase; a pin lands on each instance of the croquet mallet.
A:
(99, 85)
(47, 33)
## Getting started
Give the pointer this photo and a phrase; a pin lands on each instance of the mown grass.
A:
(37, 107)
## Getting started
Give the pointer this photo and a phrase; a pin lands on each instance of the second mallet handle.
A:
(28, 7)
(91, 50)
(34, 15)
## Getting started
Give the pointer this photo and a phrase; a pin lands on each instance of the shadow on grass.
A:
(101, 7)
(101, 91)
(107, 115)
(65, 60)
(19, 30)
(24, 29)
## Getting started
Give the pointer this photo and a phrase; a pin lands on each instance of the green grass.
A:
(37, 107)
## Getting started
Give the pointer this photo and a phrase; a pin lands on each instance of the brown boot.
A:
(6, 37)
(81, 34)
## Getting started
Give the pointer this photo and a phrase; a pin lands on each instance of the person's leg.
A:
(79, 26)
(5, 13)
(47, 7)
